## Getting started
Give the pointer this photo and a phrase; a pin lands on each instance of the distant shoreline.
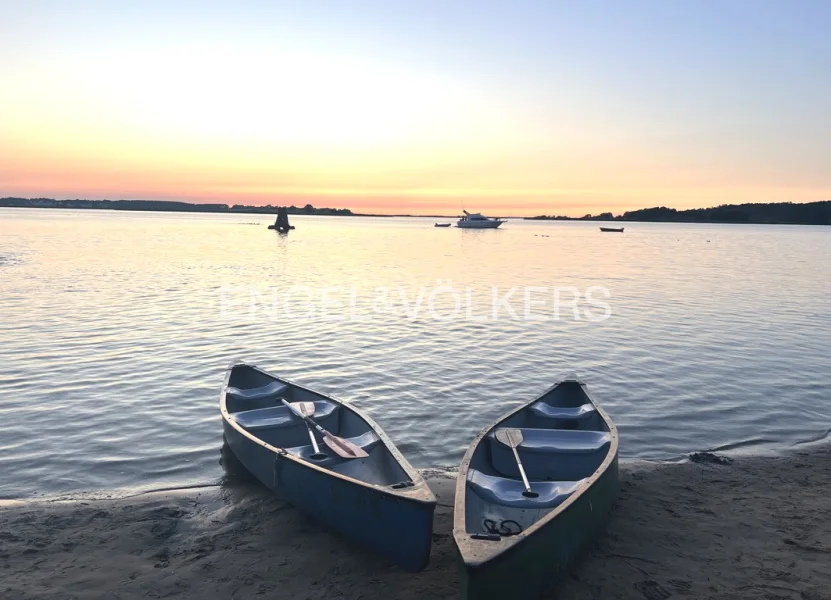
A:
(166, 206)
(773, 213)
(187, 207)
(776, 213)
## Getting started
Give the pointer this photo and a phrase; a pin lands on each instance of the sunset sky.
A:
(541, 107)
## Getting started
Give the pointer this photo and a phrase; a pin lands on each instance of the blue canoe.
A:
(514, 546)
(379, 501)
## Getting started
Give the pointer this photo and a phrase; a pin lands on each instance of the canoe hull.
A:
(533, 566)
(386, 523)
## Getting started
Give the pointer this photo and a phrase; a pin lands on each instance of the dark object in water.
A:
(612, 229)
(442, 224)
(512, 543)
(282, 222)
(710, 458)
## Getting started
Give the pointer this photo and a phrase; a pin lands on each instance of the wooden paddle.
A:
(513, 438)
(308, 409)
(341, 447)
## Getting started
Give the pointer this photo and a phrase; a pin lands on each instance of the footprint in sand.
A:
(652, 590)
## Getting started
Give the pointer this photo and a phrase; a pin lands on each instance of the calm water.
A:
(116, 328)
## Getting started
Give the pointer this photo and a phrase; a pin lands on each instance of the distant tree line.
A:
(810, 213)
(165, 206)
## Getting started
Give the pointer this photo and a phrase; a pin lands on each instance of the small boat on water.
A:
(612, 229)
(478, 221)
(349, 476)
(443, 224)
(534, 489)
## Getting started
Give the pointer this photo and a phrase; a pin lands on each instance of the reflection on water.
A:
(114, 341)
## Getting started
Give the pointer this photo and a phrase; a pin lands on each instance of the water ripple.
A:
(114, 342)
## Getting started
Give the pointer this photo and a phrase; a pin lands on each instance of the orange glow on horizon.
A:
(265, 124)
(409, 181)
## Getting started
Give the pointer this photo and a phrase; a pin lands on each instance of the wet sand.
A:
(757, 528)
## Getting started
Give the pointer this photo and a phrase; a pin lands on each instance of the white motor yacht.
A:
(478, 221)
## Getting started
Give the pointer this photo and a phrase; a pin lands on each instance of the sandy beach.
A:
(756, 528)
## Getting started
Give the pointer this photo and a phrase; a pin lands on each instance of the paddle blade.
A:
(344, 448)
(305, 408)
(509, 437)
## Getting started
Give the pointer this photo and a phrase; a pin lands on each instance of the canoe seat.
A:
(560, 441)
(508, 492)
(553, 454)
(367, 441)
(570, 413)
(273, 389)
(275, 417)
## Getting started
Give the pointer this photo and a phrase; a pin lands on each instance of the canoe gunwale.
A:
(419, 492)
(465, 543)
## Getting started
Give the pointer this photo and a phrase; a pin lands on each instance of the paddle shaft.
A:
(312, 437)
(308, 420)
(304, 409)
(513, 438)
(521, 470)
(332, 438)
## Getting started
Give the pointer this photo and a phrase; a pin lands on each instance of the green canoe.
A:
(513, 540)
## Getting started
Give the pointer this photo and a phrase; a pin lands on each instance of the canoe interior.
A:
(253, 401)
(565, 440)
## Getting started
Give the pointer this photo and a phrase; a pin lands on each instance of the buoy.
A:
(282, 222)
